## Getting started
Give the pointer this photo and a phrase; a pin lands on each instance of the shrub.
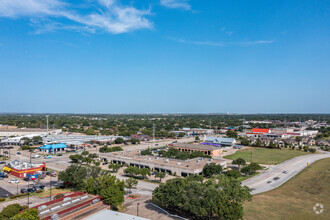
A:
(312, 150)
(39, 191)
(2, 199)
(11, 210)
(59, 196)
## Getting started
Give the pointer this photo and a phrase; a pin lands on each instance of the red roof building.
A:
(260, 130)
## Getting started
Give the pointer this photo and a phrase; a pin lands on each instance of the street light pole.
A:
(137, 209)
(28, 192)
(50, 187)
(17, 188)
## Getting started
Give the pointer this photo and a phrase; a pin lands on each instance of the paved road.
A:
(260, 183)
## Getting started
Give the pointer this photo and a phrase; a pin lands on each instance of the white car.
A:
(14, 181)
(36, 156)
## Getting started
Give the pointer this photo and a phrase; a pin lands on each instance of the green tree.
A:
(132, 171)
(306, 148)
(29, 214)
(76, 158)
(146, 152)
(75, 175)
(218, 198)
(181, 134)
(144, 172)
(119, 140)
(231, 134)
(239, 162)
(113, 197)
(135, 141)
(211, 169)
(160, 175)
(198, 178)
(130, 183)
(110, 188)
(115, 167)
(233, 173)
(11, 210)
(245, 141)
(197, 138)
(312, 150)
(85, 153)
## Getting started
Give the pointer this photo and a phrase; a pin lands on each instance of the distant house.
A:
(321, 142)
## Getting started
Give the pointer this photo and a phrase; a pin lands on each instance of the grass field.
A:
(265, 155)
(242, 178)
(296, 198)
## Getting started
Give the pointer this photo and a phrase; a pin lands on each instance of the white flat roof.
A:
(109, 214)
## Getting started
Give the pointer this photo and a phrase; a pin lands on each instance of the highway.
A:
(281, 172)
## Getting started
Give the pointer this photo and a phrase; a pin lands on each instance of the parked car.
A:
(36, 156)
(14, 181)
(36, 187)
(3, 175)
(59, 155)
(42, 187)
(24, 190)
(19, 153)
(26, 179)
(31, 190)
(48, 156)
(2, 162)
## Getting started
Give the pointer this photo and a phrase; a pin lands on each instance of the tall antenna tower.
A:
(47, 124)
(153, 131)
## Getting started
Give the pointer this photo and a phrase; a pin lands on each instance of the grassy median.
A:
(265, 155)
(296, 198)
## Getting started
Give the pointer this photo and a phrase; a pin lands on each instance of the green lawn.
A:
(296, 198)
(242, 178)
(265, 155)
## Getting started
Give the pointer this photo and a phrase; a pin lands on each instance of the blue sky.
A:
(116, 56)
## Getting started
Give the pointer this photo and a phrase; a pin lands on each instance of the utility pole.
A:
(153, 131)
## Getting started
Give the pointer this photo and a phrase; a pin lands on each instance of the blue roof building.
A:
(53, 147)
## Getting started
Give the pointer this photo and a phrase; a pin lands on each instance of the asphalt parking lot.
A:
(4, 193)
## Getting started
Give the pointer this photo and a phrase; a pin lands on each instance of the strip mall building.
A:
(21, 169)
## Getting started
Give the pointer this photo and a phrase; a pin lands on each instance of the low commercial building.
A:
(160, 164)
(220, 141)
(9, 131)
(21, 169)
(206, 149)
(53, 148)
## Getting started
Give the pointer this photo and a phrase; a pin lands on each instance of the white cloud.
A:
(222, 44)
(106, 15)
(181, 4)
